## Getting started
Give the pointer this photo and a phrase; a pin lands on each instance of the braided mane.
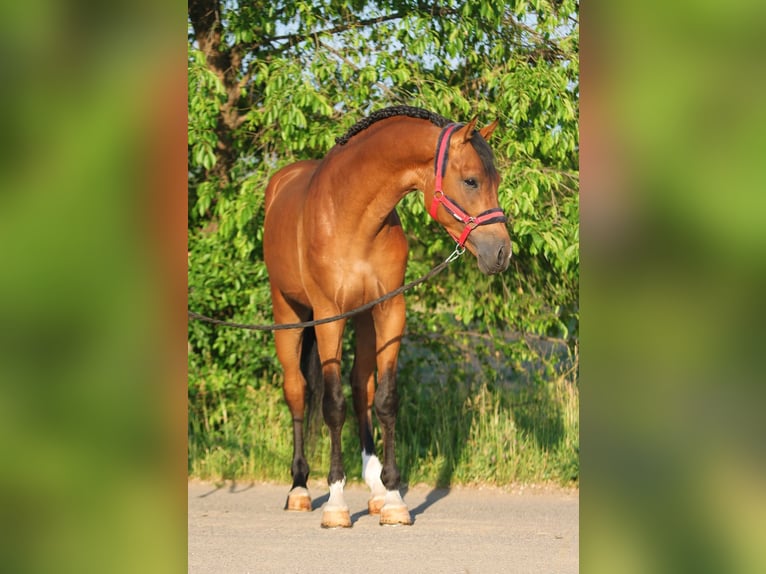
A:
(378, 115)
(482, 148)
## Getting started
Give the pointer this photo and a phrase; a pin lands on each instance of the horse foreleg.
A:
(389, 326)
(329, 338)
(363, 385)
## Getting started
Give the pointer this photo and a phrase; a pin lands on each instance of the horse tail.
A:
(311, 367)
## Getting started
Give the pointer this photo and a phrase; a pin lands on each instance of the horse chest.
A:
(350, 282)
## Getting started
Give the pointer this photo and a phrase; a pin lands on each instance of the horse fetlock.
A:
(335, 513)
(299, 472)
(371, 469)
(390, 477)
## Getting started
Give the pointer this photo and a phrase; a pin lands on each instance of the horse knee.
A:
(334, 405)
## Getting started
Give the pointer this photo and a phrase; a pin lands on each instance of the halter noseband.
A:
(494, 215)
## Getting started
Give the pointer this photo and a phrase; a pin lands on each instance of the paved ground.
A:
(241, 528)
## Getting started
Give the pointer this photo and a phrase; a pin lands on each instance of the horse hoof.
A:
(395, 515)
(336, 518)
(375, 504)
(298, 500)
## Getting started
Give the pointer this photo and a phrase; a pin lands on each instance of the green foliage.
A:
(298, 75)
(458, 424)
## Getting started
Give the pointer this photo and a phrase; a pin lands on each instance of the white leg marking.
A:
(393, 498)
(394, 511)
(336, 501)
(371, 468)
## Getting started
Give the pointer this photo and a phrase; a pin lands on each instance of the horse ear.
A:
(486, 131)
(468, 129)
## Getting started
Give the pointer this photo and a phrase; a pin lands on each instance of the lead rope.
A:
(459, 250)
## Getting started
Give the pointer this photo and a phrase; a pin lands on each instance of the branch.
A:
(569, 174)
(332, 50)
(536, 36)
(349, 25)
(302, 35)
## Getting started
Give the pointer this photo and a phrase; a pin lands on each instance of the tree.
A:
(274, 82)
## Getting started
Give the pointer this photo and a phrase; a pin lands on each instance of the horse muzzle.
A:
(493, 254)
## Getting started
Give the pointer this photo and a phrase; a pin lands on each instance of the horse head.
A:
(465, 198)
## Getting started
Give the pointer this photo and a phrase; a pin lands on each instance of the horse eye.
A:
(471, 182)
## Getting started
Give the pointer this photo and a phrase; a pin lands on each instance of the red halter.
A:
(494, 215)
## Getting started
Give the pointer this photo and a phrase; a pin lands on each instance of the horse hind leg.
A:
(363, 386)
(289, 344)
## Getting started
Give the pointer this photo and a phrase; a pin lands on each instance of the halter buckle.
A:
(459, 250)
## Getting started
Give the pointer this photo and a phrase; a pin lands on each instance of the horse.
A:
(333, 241)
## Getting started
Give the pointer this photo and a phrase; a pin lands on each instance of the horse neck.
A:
(378, 167)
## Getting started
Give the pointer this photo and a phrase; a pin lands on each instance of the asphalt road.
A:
(241, 528)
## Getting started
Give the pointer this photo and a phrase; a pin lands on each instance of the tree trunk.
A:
(224, 62)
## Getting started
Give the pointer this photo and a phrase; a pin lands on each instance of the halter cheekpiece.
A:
(494, 215)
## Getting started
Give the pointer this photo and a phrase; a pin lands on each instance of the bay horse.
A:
(333, 242)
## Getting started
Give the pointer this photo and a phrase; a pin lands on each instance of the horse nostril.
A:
(501, 255)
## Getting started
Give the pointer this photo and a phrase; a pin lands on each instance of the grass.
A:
(460, 422)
